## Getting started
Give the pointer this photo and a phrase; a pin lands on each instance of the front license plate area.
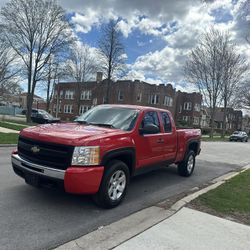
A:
(32, 179)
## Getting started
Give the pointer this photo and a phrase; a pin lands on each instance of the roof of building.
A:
(25, 94)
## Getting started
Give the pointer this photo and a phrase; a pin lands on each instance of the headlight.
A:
(85, 156)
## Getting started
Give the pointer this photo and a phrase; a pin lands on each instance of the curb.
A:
(110, 236)
(7, 145)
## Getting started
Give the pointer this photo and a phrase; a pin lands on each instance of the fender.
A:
(189, 142)
(126, 154)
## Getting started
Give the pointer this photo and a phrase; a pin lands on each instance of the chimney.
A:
(99, 76)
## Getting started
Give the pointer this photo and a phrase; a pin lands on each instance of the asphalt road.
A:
(43, 219)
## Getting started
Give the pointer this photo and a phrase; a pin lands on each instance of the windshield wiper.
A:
(82, 122)
(102, 124)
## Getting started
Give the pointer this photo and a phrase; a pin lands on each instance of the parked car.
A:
(24, 112)
(239, 136)
(103, 149)
(41, 116)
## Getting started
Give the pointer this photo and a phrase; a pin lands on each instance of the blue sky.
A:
(136, 44)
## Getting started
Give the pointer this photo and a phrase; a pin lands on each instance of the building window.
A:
(168, 101)
(69, 94)
(94, 101)
(86, 95)
(197, 107)
(60, 108)
(68, 109)
(104, 100)
(83, 109)
(187, 106)
(120, 96)
(196, 120)
(139, 97)
(185, 118)
(55, 94)
(180, 109)
(61, 94)
(154, 99)
(55, 108)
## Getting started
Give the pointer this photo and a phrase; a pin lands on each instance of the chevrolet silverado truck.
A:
(103, 149)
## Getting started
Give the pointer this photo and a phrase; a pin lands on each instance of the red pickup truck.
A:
(103, 149)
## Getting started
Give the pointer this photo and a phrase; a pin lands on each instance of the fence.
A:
(4, 110)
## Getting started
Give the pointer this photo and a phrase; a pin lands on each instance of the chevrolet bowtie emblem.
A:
(35, 149)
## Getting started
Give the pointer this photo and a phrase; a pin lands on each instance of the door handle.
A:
(160, 140)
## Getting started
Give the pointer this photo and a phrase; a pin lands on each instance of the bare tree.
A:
(217, 70)
(234, 70)
(243, 97)
(244, 22)
(8, 69)
(204, 68)
(35, 30)
(53, 73)
(111, 51)
(81, 64)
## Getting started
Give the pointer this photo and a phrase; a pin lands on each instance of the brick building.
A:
(188, 109)
(72, 99)
(233, 119)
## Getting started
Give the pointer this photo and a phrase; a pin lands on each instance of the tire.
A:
(111, 191)
(184, 167)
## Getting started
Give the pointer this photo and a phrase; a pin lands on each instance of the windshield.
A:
(45, 114)
(236, 132)
(115, 117)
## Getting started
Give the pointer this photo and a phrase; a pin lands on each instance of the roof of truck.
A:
(133, 106)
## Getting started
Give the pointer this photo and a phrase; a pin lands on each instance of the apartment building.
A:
(188, 109)
(234, 119)
(72, 99)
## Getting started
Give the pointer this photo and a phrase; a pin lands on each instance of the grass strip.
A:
(8, 138)
(12, 126)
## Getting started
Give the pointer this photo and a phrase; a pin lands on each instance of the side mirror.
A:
(149, 129)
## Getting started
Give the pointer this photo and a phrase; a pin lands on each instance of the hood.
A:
(68, 133)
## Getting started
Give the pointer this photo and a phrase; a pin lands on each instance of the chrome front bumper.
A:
(24, 165)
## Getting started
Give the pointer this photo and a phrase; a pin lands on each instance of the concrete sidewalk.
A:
(191, 229)
(7, 130)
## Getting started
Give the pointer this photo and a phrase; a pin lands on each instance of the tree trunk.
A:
(78, 96)
(212, 122)
(29, 99)
(107, 93)
(48, 96)
(224, 120)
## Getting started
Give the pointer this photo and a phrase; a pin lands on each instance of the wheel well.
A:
(127, 158)
(194, 147)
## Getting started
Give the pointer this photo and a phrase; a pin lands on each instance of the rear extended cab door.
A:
(169, 144)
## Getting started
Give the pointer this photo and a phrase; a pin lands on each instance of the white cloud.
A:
(148, 17)
(167, 64)
(85, 22)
